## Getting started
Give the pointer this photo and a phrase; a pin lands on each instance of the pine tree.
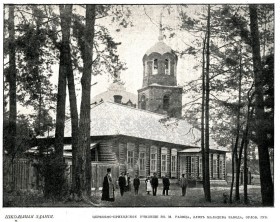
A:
(12, 130)
(84, 155)
(267, 188)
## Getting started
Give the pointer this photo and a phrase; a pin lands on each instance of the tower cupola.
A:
(160, 93)
(160, 64)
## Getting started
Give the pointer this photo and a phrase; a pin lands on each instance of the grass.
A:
(194, 198)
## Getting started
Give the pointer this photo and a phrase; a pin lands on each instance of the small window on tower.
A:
(166, 67)
(155, 68)
(143, 102)
(166, 99)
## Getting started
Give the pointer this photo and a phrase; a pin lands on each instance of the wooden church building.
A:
(149, 136)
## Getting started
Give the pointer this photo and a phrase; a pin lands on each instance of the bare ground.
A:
(193, 198)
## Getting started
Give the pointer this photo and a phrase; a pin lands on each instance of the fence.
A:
(99, 170)
(23, 175)
(20, 174)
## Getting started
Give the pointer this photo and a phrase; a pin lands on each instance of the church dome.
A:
(160, 47)
(116, 89)
(159, 65)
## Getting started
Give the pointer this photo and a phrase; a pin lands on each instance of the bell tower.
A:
(159, 92)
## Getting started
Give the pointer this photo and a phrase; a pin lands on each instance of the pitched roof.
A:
(109, 119)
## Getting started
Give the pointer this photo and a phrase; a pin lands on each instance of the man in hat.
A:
(108, 187)
(154, 183)
(183, 184)
(166, 184)
(122, 183)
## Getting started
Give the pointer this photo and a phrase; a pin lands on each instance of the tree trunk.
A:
(232, 172)
(12, 85)
(61, 94)
(246, 141)
(58, 162)
(72, 101)
(202, 116)
(207, 93)
(12, 127)
(238, 159)
(267, 188)
(238, 170)
(84, 155)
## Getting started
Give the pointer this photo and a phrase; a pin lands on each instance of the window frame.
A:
(193, 160)
(167, 70)
(130, 158)
(164, 163)
(142, 161)
(215, 167)
(174, 163)
(155, 66)
(153, 161)
(143, 102)
(166, 102)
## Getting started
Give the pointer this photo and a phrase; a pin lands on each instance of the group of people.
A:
(124, 185)
(152, 184)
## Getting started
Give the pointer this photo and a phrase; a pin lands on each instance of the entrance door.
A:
(182, 165)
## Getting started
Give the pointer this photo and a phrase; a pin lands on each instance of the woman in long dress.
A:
(148, 185)
(108, 187)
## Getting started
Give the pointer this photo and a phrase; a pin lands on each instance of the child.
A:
(148, 185)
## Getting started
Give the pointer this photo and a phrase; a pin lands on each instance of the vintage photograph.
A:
(160, 105)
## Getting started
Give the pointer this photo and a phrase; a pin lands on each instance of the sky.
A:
(136, 40)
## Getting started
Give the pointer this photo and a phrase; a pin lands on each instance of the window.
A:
(200, 166)
(166, 67)
(130, 155)
(192, 165)
(155, 67)
(163, 162)
(215, 168)
(153, 158)
(143, 102)
(221, 172)
(153, 162)
(166, 99)
(130, 159)
(142, 160)
(173, 163)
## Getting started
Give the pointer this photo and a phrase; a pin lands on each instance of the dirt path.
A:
(194, 197)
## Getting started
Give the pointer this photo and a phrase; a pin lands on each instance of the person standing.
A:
(128, 182)
(183, 184)
(136, 184)
(148, 185)
(166, 184)
(108, 187)
(122, 183)
(154, 183)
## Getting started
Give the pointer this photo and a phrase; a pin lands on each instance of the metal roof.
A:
(109, 119)
(160, 47)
